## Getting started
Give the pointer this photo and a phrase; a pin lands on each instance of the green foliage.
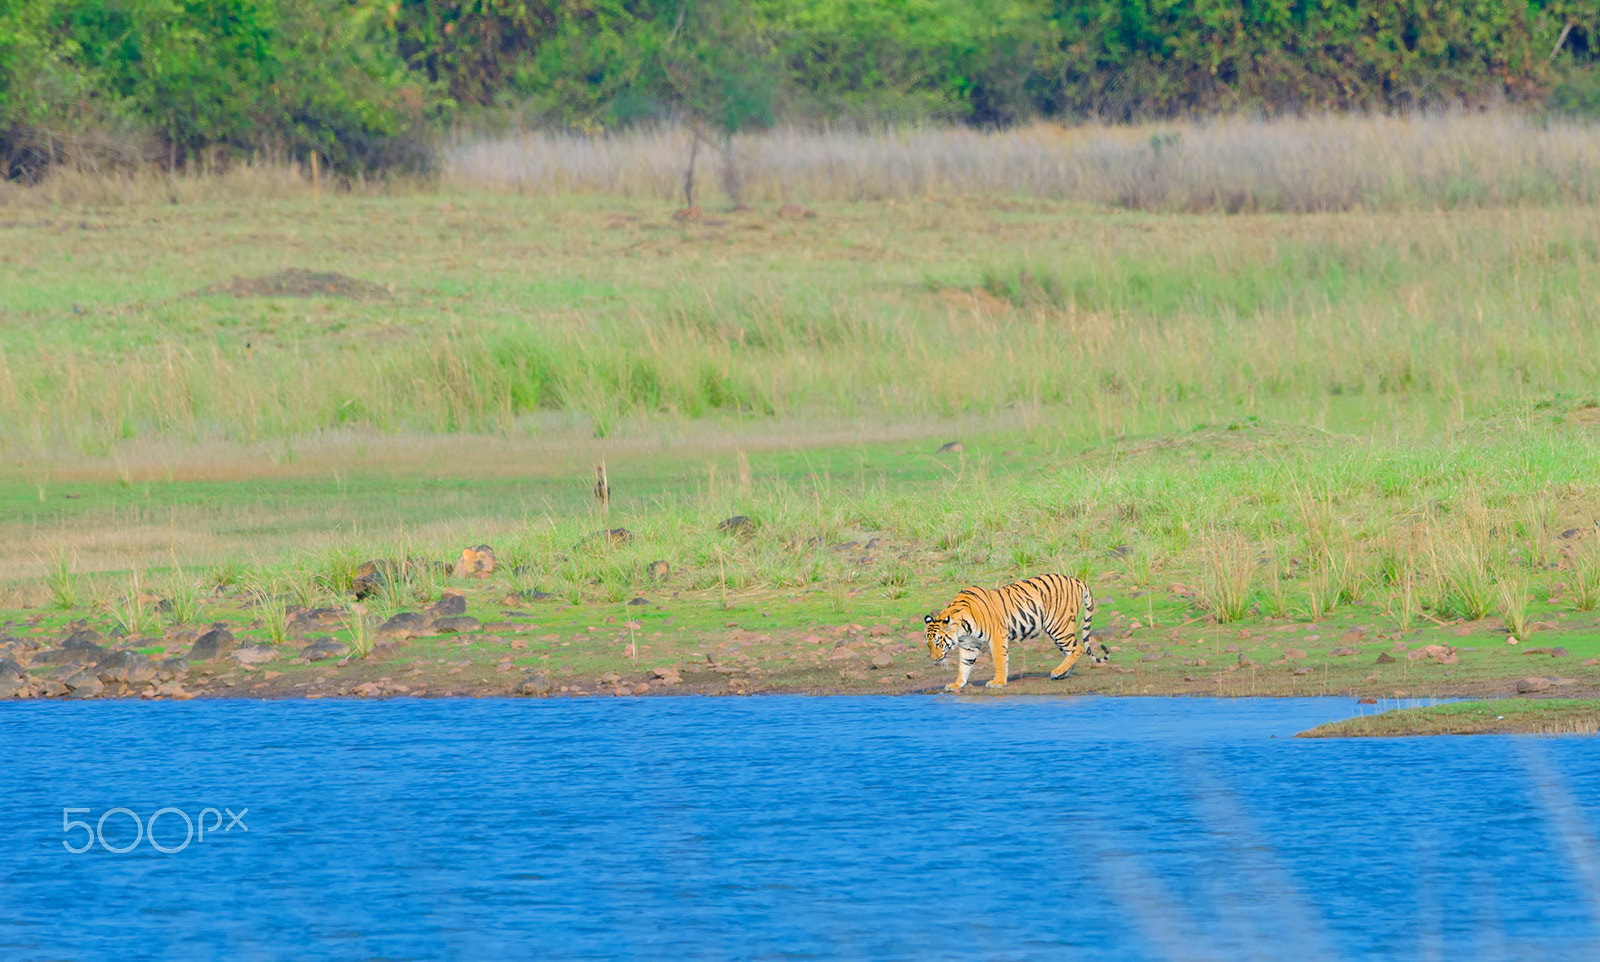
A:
(361, 81)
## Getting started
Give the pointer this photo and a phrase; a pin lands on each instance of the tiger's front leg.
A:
(969, 657)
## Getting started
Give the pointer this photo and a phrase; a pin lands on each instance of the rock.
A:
(1354, 636)
(324, 648)
(615, 537)
(1552, 652)
(1591, 662)
(1231, 649)
(738, 524)
(659, 572)
(1366, 700)
(951, 447)
(10, 669)
(534, 684)
(1302, 671)
(451, 603)
(1245, 662)
(84, 683)
(641, 688)
(367, 689)
(1439, 653)
(639, 601)
(1293, 654)
(172, 669)
(255, 654)
(373, 576)
(1341, 652)
(610, 678)
(794, 212)
(69, 656)
(882, 660)
(456, 625)
(11, 687)
(1528, 685)
(83, 638)
(1384, 658)
(214, 644)
(667, 675)
(129, 667)
(408, 624)
(476, 562)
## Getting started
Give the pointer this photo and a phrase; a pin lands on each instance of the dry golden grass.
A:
(1334, 162)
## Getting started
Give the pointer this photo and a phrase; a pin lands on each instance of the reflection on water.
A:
(790, 828)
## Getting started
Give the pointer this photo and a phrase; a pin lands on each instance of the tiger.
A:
(996, 618)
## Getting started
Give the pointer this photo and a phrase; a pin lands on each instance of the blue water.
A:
(789, 828)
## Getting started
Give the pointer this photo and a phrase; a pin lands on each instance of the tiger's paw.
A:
(996, 683)
(953, 687)
(1065, 674)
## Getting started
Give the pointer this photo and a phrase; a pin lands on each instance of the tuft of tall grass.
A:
(63, 587)
(185, 599)
(132, 609)
(1227, 573)
(1585, 575)
(1511, 594)
(360, 631)
(274, 614)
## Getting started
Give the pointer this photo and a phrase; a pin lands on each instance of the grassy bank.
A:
(1374, 423)
(1552, 716)
(532, 318)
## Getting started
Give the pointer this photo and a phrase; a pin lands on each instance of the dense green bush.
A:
(361, 81)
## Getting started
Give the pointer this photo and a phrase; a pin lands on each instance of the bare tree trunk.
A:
(688, 175)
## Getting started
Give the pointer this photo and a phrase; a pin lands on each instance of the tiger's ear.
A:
(927, 619)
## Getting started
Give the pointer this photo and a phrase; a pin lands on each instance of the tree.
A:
(719, 78)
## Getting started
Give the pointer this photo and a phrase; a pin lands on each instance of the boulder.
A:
(373, 576)
(214, 644)
(84, 683)
(324, 648)
(1384, 658)
(883, 660)
(951, 447)
(406, 624)
(10, 669)
(126, 667)
(534, 684)
(172, 669)
(1530, 685)
(450, 604)
(738, 524)
(475, 562)
(255, 654)
(1341, 652)
(1552, 652)
(11, 687)
(456, 625)
(83, 638)
(610, 678)
(69, 656)
(636, 602)
(1293, 654)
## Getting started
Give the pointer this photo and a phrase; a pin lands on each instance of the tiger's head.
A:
(947, 628)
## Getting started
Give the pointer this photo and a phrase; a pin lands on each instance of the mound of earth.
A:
(296, 282)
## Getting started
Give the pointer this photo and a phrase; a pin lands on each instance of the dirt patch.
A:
(296, 282)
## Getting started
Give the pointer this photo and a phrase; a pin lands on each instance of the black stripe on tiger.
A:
(1051, 605)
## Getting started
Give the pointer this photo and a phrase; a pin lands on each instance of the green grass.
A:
(1384, 420)
(534, 318)
(1548, 716)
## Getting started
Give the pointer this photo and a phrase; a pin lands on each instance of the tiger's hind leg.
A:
(1071, 651)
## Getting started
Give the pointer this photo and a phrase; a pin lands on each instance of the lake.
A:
(784, 828)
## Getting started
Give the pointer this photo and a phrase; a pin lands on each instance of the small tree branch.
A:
(1559, 41)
